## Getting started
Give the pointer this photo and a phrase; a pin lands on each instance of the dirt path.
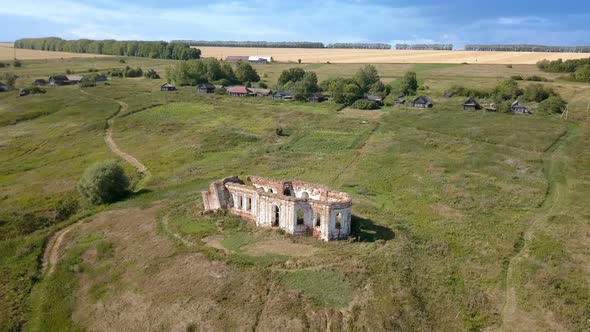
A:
(512, 317)
(51, 255)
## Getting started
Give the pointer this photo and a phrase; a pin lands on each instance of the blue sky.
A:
(459, 22)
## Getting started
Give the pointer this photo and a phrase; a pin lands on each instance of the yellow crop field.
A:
(388, 56)
(7, 52)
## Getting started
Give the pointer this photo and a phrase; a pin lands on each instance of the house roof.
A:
(59, 77)
(422, 100)
(400, 100)
(283, 93)
(516, 103)
(317, 95)
(168, 85)
(374, 98)
(260, 91)
(237, 89)
(218, 86)
(74, 78)
(471, 101)
(2, 84)
(206, 86)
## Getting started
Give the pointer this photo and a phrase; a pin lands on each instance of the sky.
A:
(458, 22)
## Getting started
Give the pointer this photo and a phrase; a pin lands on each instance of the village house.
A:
(238, 91)
(59, 80)
(282, 95)
(167, 87)
(205, 88)
(260, 92)
(378, 100)
(422, 102)
(316, 98)
(296, 207)
(3, 87)
(518, 108)
(471, 105)
(24, 92)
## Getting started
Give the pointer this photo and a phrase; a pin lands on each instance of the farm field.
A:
(462, 220)
(7, 53)
(388, 56)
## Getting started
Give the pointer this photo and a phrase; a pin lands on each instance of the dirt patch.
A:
(279, 247)
(446, 211)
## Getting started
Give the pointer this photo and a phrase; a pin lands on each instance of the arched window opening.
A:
(300, 217)
(287, 192)
(249, 204)
(239, 202)
(339, 221)
(270, 190)
(318, 220)
(304, 195)
(276, 216)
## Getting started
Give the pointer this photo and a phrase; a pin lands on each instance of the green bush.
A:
(151, 74)
(104, 182)
(133, 72)
(365, 104)
(17, 63)
(553, 104)
(88, 81)
(36, 89)
(2, 65)
(516, 77)
(536, 78)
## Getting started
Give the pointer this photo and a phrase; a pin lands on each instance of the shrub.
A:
(553, 104)
(262, 85)
(516, 77)
(508, 66)
(133, 72)
(17, 63)
(34, 89)
(92, 70)
(151, 74)
(69, 71)
(121, 61)
(536, 78)
(409, 84)
(537, 92)
(9, 78)
(2, 65)
(88, 81)
(582, 73)
(365, 104)
(104, 182)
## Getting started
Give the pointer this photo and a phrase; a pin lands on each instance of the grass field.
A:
(464, 220)
(388, 56)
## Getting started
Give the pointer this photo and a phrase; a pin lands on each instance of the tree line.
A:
(527, 48)
(422, 47)
(267, 44)
(579, 69)
(144, 49)
(211, 70)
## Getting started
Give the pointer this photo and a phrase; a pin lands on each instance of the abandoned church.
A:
(299, 208)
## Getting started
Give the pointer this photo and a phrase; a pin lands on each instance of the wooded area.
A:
(144, 49)
(527, 48)
(423, 47)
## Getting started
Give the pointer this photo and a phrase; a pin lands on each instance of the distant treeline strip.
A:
(528, 48)
(425, 47)
(267, 44)
(144, 49)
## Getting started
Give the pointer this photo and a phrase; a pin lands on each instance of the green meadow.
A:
(452, 209)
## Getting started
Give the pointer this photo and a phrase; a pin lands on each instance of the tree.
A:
(10, 79)
(507, 90)
(537, 92)
(366, 76)
(291, 75)
(151, 74)
(246, 73)
(88, 81)
(365, 104)
(17, 63)
(299, 82)
(342, 90)
(409, 84)
(228, 72)
(103, 183)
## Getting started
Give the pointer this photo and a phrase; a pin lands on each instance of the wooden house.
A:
(59, 80)
(282, 95)
(167, 87)
(238, 91)
(422, 102)
(518, 108)
(316, 98)
(378, 100)
(3, 87)
(24, 92)
(205, 88)
(399, 101)
(471, 105)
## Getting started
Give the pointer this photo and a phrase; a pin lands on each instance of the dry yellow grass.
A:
(7, 53)
(388, 56)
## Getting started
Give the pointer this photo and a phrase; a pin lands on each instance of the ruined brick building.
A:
(297, 207)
